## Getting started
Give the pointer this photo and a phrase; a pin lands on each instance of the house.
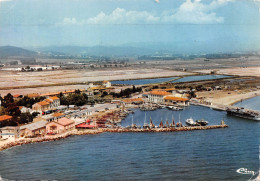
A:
(60, 126)
(181, 93)
(134, 101)
(9, 132)
(5, 118)
(25, 109)
(106, 83)
(33, 129)
(55, 101)
(78, 121)
(34, 95)
(176, 100)
(58, 115)
(17, 96)
(41, 106)
(47, 104)
(157, 96)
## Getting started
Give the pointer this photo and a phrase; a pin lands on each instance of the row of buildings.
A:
(50, 103)
(40, 128)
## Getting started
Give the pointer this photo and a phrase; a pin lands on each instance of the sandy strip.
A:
(226, 97)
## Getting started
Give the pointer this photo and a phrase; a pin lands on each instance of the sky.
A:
(184, 25)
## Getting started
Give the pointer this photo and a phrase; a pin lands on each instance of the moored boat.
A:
(191, 122)
(202, 122)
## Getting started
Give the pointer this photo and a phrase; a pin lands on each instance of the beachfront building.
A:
(171, 100)
(157, 96)
(9, 133)
(5, 119)
(60, 126)
(33, 129)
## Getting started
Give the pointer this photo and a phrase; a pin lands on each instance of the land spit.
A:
(23, 141)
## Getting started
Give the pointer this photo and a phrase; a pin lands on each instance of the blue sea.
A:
(253, 103)
(210, 155)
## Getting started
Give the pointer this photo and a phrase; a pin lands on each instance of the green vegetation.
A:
(11, 107)
(127, 92)
(78, 99)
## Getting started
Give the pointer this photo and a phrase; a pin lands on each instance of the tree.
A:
(8, 99)
(104, 94)
(25, 118)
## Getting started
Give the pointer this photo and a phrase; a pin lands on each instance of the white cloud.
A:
(196, 12)
(121, 16)
(157, 1)
(189, 12)
(4, 0)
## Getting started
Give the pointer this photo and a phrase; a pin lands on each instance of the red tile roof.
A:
(43, 103)
(5, 117)
(54, 98)
(48, 100)
(65, 121)
(175, 98)
(16, 95)
(57, 114)
(133, 100)
(160, 93)
(33, 95)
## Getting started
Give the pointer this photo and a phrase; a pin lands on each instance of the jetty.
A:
(111, 130)
(176, 129)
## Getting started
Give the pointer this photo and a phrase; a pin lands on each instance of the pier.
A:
(176, 129)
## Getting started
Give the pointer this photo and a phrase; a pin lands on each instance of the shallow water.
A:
(194, 155)
(143, 81)
(201, 77)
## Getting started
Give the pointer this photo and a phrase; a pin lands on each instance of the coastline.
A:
(23, 141)
(227, 98)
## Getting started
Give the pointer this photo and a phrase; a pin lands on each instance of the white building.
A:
(9, 132)
(106, 83)
(157, 96)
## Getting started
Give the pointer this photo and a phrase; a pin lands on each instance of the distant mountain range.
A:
(11, 51)
(153, 49)
(97, 50)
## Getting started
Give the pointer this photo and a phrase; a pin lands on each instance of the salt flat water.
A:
(195, 155)
(143, 81)
(200, 77)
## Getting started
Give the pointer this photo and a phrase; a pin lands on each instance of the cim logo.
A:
(245, 171)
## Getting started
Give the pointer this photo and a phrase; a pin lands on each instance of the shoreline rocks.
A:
(102, 130)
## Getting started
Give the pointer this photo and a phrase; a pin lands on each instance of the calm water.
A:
(143, 81)
(195, 155)
(253, 103)
(201, 77)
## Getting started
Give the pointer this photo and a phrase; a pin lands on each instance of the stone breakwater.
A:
(23, 141)
(189, 128)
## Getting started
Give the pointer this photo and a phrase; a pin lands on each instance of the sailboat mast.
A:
(144, 117)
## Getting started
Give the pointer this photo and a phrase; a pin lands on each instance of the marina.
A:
(194, 152)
